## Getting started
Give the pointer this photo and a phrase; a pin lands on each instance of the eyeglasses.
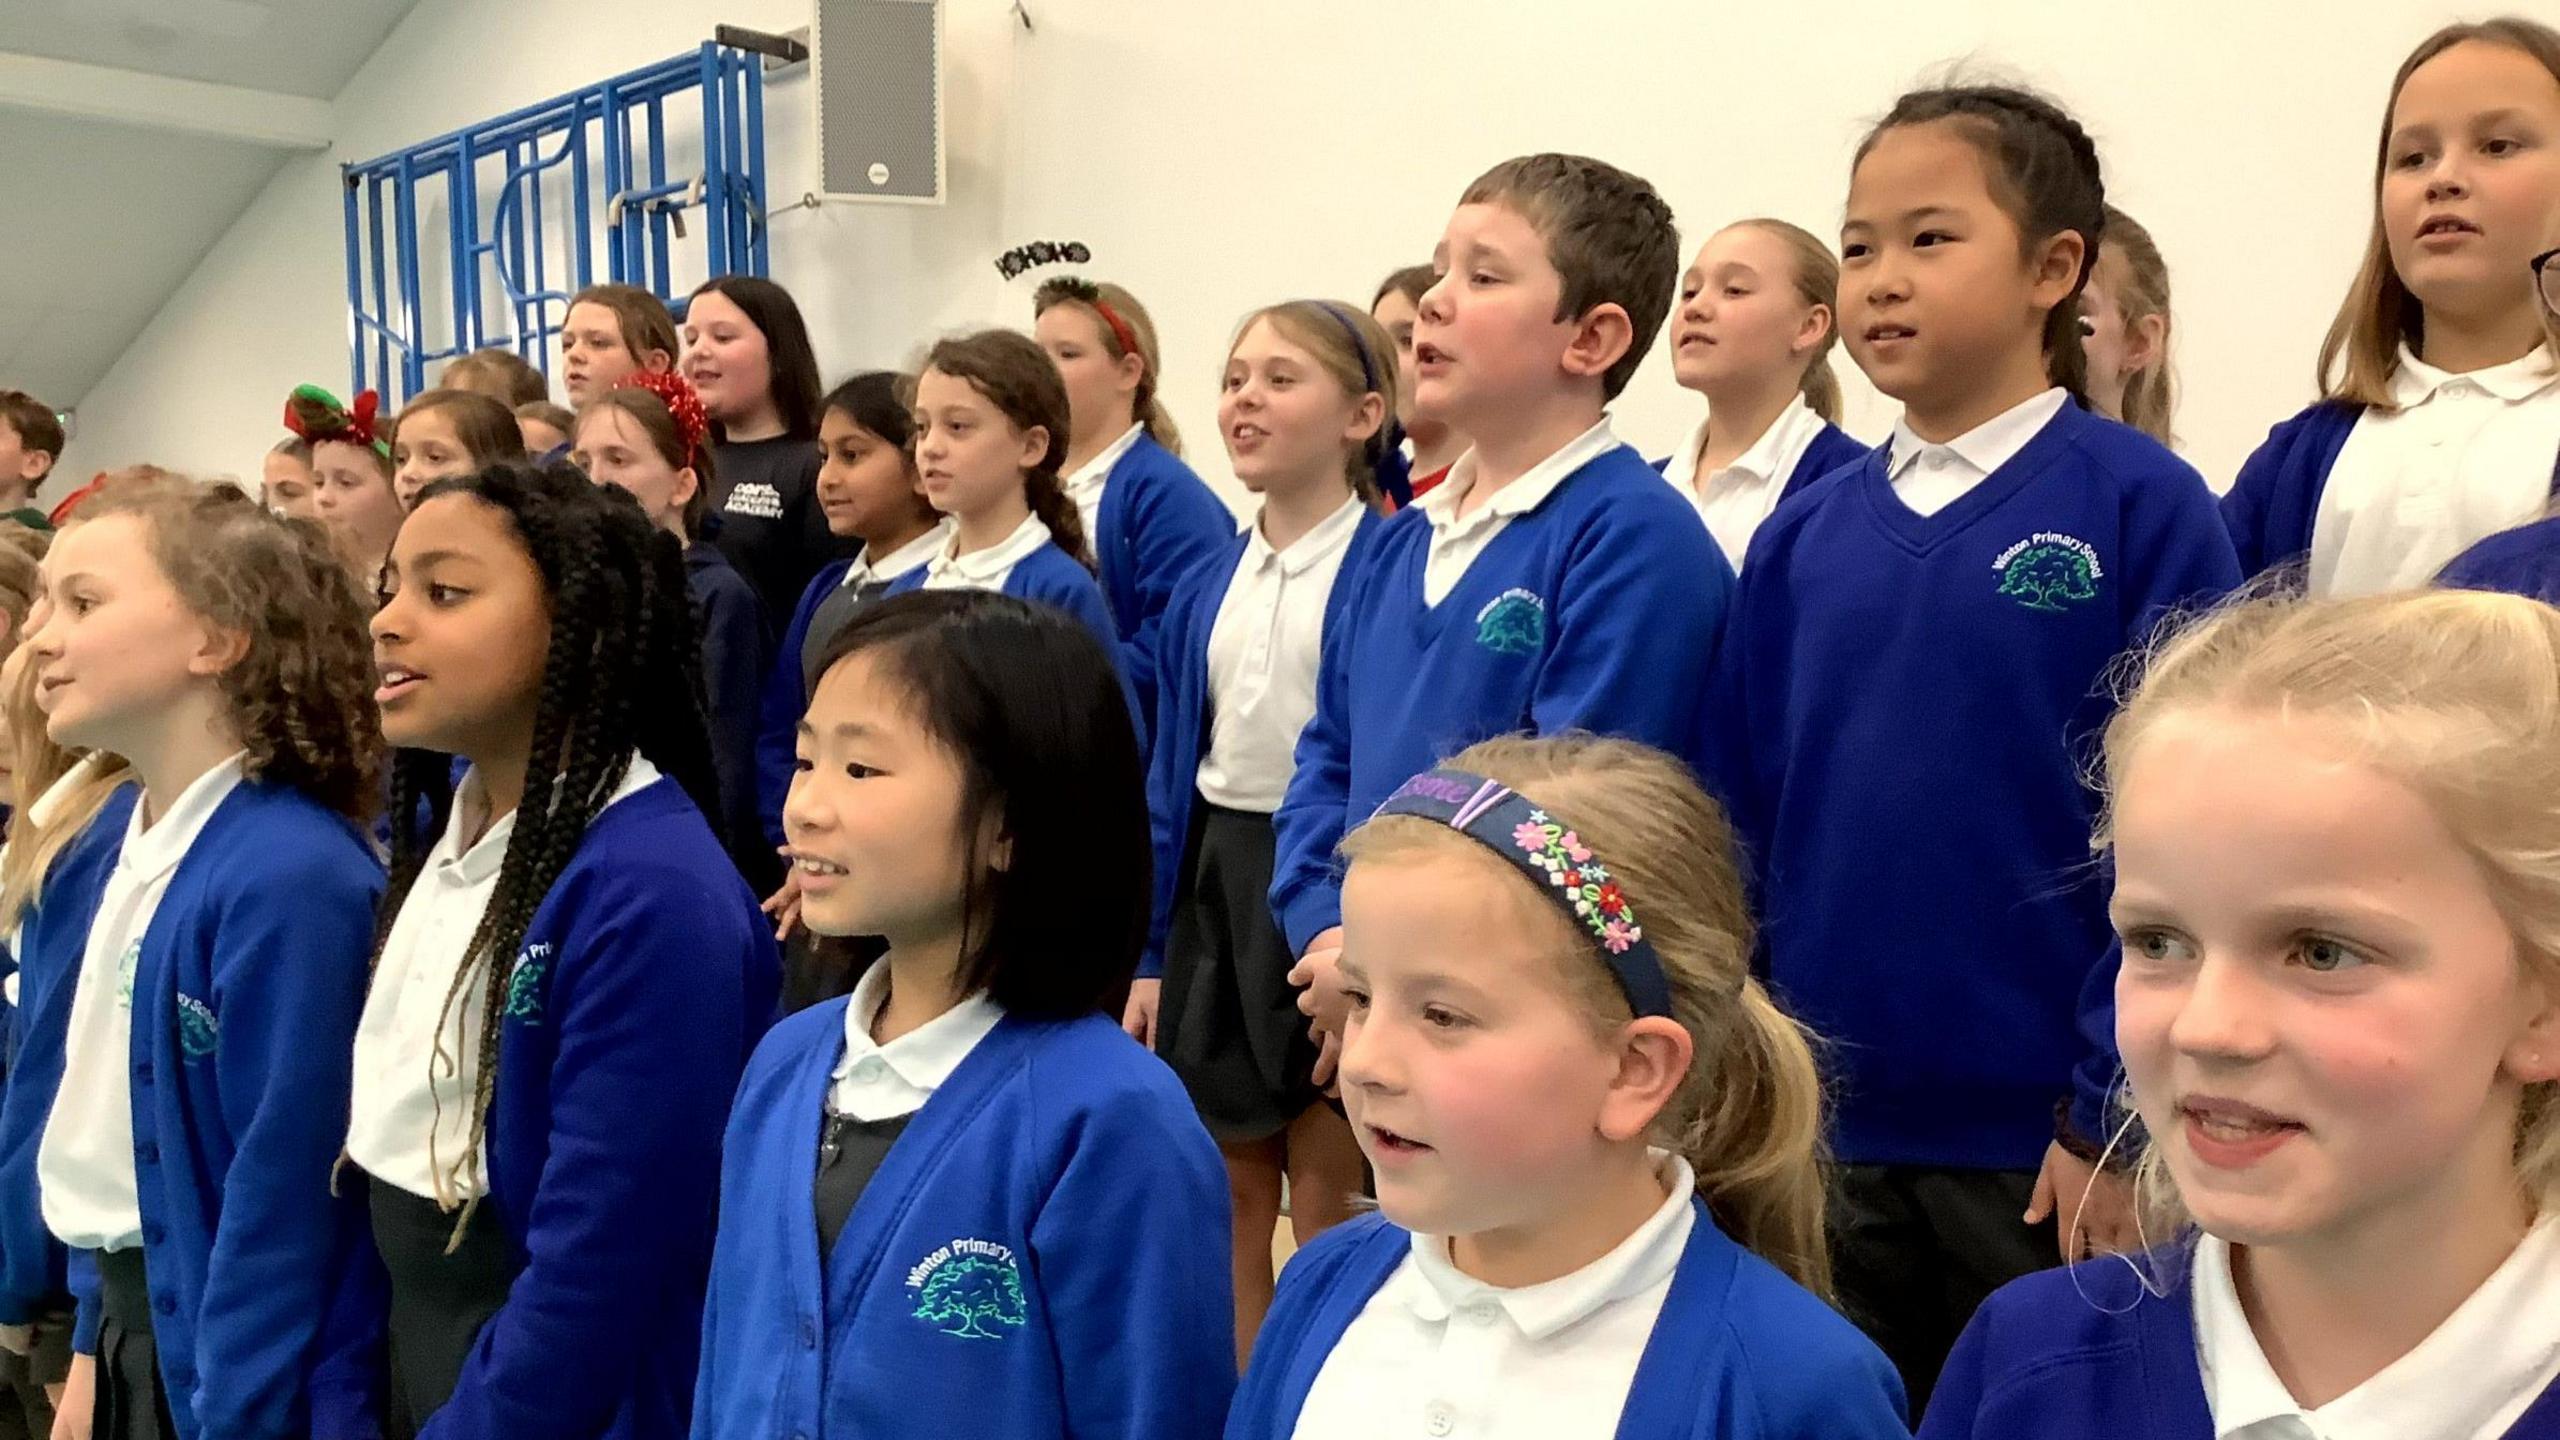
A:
(2546, 270)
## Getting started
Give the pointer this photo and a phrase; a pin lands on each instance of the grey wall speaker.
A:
(879, 82)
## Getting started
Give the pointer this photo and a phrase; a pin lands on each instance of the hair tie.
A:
(315, 415)
(1505, 822)
(693, 423)
(1386, 447)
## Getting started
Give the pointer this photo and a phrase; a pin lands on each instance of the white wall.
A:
(1217, 156)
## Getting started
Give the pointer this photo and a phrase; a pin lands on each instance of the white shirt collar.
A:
(1987, 446)
(479, 862)
(1786, 435)
(1433, 1287)
(1330, 534)
(58, 794)
(991, 565)
(1520, 496)
(2415, 382)
(156, 851)
(925, 1057)
(2479, 1369)
(1088, 480)
(901, 560)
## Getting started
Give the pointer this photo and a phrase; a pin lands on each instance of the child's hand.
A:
(784, 904)
(2095, 1207)
(78, 1408)
(1139, 1019)
(1318, 974)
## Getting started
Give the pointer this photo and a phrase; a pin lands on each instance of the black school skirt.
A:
(132, 1403)
(1228, 1020)
(439, 1302)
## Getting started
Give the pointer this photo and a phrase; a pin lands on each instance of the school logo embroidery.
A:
(199, 1029)
(970, 1290)
(2050, 572)
(524, 984)
(126, 964)
(1512, 623)
(761, 501)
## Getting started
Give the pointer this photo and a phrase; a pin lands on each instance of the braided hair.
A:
(2044, 173)
(623, 675)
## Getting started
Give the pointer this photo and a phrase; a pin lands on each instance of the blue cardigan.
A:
(1043, 1253)
(1830, 449)
(1740, 1352)
(1158, 522)
(1054, 578)
(1183, 711)
(2522, 561)
(1598, 610)
(56, 934)
(246, 994)
(2088, 1353)
(646, 977)
(785, 700)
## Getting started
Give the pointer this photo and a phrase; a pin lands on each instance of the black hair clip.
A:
(1022, 258)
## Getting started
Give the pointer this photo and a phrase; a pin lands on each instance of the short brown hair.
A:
(1018, 378)
(643, 318)
(486, 428)
(37, 426)
(2362, 350)
(502, 375)
(1408, 282)
(543, 412)
(1608, 235)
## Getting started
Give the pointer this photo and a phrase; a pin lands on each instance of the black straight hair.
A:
(2044, 173)
(791, 363)
(883, 402)
(1029, 703)
(623, 675)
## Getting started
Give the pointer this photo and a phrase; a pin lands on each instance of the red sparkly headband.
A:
(693, 423)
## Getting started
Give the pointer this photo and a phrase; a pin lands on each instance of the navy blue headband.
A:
(1395, 474)
(1508, 824)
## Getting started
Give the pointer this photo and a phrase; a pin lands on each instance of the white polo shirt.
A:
(1085, 486)
(1929, 478)
(1263, 648)
(986, 569)
(881, 1082)
(1455, 543)
(865, 570)
(1734, 500)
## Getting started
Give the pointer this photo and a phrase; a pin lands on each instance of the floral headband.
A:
(315, 415)
(693, 423)
(1505, 822)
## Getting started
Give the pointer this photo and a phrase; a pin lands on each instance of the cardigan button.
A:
(808, 1333)
(142, 1073)
(154, 1234)
(147, 1153)
(164, 1304)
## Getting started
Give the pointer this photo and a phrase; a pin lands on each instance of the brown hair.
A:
(21, 578)
(1608, 235)
(293, 445)
(301, 693)
(2150, 393)
(502, 375)
(2362, 350)
(37, 426)
(543, 412)
(1817, 282)
(1410, 282)
(1360, 356)
(641, 316)
(486, 428)
(657, 422)
(1015, 374)
(1092, 296)
(2455, 693)
(1749, 1114)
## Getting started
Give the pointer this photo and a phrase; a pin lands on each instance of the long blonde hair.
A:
(1105, 302)
(36, 763)
(2150, 393)
(2454, 693)
(1360, 356)
(1749, 1114)
(2362, 350)
(1817, 282)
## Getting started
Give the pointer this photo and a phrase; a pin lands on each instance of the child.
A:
(286, 485)
(612, 331)
(568, 982)
(747, 354)
(220, 651)
(355, 494)
(2440, 411)
(2332, 833)
(1309, 390)
(648, 435)
(1434, 446)
(31, 441)
(1916, 653)
(1597, 1141)
(991, 425)
(1753, 334)
(1150, 520)
(869, 491)
(547, 429)
(502, 375)
(448, 433)
(2124, 331)
(1000, 1190)
(1552, 582)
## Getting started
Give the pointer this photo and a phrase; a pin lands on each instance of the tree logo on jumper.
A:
(970, 1290)
(524, 984)
(1512, 623)
(2050, 572)
(199, 1029)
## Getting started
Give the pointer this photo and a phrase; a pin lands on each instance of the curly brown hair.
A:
(301, 693)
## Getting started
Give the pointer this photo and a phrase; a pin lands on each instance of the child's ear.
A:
(686, 483)
(2055, 267)
(1035, 446)
(35, 465)
(659, 362)
(2144, 340)
(1366, 417)
(219, 648)
(1601, 338)
(1129, 372)
(1654, 1053)
(2534, 1057)
(1816, 324)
